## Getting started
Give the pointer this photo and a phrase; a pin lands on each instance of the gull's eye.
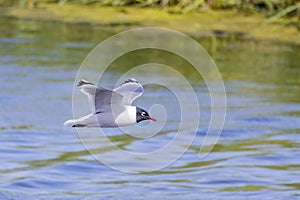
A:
(143, 114)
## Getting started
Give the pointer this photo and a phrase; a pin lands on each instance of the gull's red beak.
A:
(153, 119)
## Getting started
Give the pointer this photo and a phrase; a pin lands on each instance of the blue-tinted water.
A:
(256, 157)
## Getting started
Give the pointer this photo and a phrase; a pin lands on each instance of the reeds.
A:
(276, 8)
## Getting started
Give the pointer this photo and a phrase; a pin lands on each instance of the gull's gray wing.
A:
(101, 99)
(130, 90)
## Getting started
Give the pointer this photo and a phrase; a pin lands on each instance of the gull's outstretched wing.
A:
(130, 90)
(101, 99)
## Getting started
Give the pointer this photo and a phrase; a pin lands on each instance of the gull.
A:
(111, 108)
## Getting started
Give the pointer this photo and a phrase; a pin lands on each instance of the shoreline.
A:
(205, 23)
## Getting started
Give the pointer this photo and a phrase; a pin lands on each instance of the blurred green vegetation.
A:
(275, 8)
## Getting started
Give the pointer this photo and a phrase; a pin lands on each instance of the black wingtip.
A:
(84, 82)
(78, 125)
(130, 80)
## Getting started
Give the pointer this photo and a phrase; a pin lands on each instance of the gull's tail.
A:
(88, 120)
(74, 123)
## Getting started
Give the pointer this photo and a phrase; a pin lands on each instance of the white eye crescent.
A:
(143, 114)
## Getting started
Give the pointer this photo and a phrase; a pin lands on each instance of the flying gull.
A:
(111, 108)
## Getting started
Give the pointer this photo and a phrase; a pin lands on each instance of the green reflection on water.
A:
(63, 157)
(294, 185)
(245, 145)
(244, 188)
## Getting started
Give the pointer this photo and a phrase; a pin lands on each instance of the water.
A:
(256, 157)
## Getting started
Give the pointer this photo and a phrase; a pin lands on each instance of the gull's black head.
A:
(142, 115)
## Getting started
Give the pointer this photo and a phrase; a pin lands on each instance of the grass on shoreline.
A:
(277, 8)
(205, 22)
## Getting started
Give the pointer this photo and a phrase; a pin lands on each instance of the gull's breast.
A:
(127, 117)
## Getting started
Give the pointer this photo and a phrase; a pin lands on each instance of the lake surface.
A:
(256, 157)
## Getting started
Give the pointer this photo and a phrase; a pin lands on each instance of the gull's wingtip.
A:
(73, 123)
(84, 82)
(130, 80)
(69, 123)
